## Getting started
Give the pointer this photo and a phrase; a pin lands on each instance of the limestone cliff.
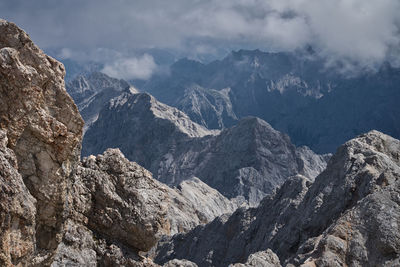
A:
(42, 126)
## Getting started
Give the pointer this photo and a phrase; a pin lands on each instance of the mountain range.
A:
(60, 209)
(316, 105)
(347, 217)
(247, 160)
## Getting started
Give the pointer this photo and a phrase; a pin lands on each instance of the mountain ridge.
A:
(242, 160)
(304, 222)
(295, 92)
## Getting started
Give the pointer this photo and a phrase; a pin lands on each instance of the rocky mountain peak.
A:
(147, 103)
(344, 217)
(245, 160)
(92, 91)
(94, 82)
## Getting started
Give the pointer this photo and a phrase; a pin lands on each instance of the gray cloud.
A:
(359, 32)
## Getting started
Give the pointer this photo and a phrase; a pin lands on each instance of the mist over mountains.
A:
(316, 106)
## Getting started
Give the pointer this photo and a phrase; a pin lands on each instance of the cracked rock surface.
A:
(42, 125)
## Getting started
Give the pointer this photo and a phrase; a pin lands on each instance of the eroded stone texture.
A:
(193, 203)
(17, 211)
(83, 247)
(115, 196)
(42, 123)
(117, 210)
(367, 231)
(119, 200)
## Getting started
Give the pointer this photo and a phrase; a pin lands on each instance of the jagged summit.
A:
(84, 86)
(143, 102)
(92, 91)
(345, 217)
(249, 159)
(296, 92)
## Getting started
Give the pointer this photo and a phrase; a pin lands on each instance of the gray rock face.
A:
(208, 107)
(364, 229)
(92, 91)
(311, 164)
(348, 216)
(120, 200)
(17, 211)
(83, 247)
(249, 159)
(161, 127)
(115, 201)
(193, 203)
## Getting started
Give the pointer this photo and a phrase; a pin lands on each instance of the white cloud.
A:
(365, 32)
(131, 68)
(355, 30)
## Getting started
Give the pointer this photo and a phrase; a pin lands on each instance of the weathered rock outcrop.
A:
(115, 210)
(113, 200)
(17, 211)
(348, 216)
(108, 190)
(42, 124)
(357, 206)
(120, 200)
(249, 159)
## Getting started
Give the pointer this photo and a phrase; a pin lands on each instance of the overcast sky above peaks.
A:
(363, 32)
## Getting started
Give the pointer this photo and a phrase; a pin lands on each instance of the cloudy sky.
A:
(359, 32)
